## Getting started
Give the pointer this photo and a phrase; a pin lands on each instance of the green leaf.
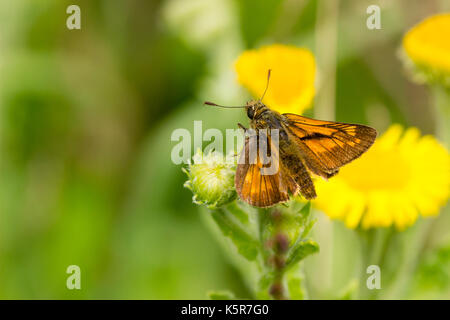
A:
(245, 244)
(221, 295)
(307, 222)
(306, 210)
(349, 292)
(307, 228)
(300, 251)
(295, 288)
(434, 271)
(238, 212)
(266, 280)
(263, 286)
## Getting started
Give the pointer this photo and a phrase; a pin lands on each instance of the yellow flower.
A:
(401, 176)
(427, 45)
(292, 80)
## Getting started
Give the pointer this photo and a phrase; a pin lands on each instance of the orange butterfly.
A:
(304, 145)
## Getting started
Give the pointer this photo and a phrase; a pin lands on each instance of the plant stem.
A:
(280, 245)
(326, 53)
(324, 108)
(366, 242)
(442, 104)
(413, 242)
(271, 259)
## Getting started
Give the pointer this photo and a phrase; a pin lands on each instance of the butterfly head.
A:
(254, 108)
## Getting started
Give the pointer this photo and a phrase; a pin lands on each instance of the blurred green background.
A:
(86, 118)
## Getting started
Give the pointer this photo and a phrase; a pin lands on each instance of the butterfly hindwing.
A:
(257, 188)
(297, 171)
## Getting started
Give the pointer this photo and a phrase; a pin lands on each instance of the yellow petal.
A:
(428, 42)
(401, 177)
(291, 87)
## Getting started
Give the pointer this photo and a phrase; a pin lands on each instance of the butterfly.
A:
(304, 146)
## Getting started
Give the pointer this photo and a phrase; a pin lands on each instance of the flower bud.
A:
(211, 179)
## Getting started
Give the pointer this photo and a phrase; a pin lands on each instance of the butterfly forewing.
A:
(326, 145)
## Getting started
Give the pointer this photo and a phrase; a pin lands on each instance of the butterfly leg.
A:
(242, 127)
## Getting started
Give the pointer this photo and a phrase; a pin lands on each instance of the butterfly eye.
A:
(251, 112)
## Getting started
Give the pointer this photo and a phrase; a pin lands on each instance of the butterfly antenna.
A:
(220, 106)
(267, 85)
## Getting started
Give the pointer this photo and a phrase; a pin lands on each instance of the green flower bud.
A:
(211, 179)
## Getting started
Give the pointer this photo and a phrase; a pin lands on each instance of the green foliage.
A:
(278, 255)
(238, 212)
(300, 251)
(245, 244)
(256, 18)
(295, 287)
(434, 271)
(264, 284)
(350, 291)
(221, 295)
